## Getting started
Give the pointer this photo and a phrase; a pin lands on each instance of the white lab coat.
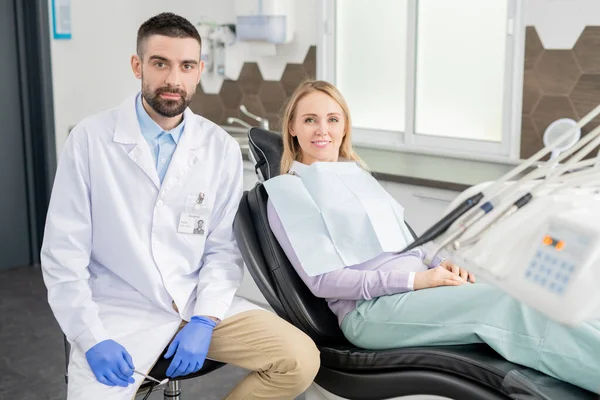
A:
(112, 257)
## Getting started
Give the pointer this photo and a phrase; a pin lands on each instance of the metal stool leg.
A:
(172, 391)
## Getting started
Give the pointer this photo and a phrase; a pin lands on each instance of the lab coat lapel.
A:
(188, 150)
(128, 133)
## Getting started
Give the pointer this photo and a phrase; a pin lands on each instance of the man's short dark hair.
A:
(166, 24)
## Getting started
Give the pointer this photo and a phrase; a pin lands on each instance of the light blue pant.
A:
(476, 313)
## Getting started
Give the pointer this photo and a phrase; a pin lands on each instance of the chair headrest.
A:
(266, 148)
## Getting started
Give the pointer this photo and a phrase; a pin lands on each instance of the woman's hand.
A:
(456, 270)
(446, 274)
(434, 277)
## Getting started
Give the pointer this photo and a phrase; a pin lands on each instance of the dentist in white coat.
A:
(128, 272)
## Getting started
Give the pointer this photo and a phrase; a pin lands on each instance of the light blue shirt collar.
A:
(150, 129)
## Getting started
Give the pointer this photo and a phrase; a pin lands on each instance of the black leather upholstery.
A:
(265, 149)
(159, 371)
(309, 313)
(459, 372)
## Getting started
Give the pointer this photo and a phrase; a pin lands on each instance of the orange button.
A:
(547, 240)
(560, 245)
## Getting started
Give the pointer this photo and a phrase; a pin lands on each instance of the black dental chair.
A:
(471, 372)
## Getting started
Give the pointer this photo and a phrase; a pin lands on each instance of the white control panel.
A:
(562, 252)
(546, 255)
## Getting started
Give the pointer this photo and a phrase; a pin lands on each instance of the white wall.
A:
(91, 72)
(272, 66)
(560, 22)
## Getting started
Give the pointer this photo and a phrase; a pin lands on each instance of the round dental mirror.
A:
(555, 130)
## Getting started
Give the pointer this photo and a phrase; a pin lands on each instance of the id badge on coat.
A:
(194, 220)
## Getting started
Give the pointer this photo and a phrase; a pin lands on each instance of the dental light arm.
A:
(497, 193)
(504, 209)
(496, 189)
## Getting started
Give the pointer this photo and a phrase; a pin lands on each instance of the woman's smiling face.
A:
(319, 126)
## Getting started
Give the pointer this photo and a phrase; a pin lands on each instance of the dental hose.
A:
(442, 225)
(593, 140)
(495, 190)
(453, 225)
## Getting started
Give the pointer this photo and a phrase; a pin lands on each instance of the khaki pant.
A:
(283, 359)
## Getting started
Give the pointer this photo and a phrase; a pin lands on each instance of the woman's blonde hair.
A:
(291, 148)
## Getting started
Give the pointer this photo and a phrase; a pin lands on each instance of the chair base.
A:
(316, 392)
(392, 384)
(172, 391)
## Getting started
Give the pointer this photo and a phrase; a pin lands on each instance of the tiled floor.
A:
(32, 353)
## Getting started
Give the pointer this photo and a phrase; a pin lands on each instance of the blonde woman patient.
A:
(395, 300)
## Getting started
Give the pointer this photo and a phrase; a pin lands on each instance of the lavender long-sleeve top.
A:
(386, 274)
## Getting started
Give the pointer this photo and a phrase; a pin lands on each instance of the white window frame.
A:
(505, 151)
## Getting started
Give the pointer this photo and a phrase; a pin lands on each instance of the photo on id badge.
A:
(193, 221)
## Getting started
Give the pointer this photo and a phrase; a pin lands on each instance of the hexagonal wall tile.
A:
(209, 106)
(595, 152)
(549, 109)
(293, 75)
(272, 96)
(533, 47)
(250, 78)
(274, 122)
(586, 95)
(531, 92)
(531, 141)
(231, 94)
(557, 72)
(310, 62)
(587, 50)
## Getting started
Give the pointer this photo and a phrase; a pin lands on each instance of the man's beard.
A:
(164, 107)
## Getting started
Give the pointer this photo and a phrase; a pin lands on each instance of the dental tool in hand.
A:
(151, 378)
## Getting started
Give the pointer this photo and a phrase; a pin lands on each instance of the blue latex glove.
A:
(111, 363)
(190, 347)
